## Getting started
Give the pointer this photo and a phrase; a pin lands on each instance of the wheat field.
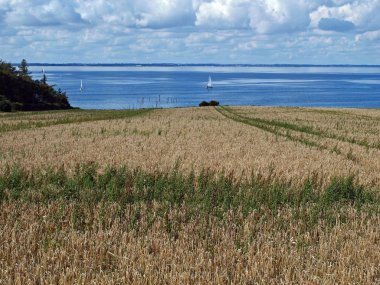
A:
(226, 195)
(203, 138)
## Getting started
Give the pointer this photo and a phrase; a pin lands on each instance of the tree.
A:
(23, 69)
(20, 92)
(6, 67)
(44, 79)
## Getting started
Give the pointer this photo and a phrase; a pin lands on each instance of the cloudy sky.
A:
(191, 31)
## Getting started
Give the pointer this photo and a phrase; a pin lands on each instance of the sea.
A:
(135, 86)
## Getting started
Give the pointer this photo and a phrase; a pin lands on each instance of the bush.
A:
(16, 106)
(211, 103)
(5, 105)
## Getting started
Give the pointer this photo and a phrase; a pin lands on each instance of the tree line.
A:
(19, 92)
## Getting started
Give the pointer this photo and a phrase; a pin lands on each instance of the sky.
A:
(191, 31)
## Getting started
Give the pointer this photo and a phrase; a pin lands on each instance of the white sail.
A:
(209, 83)
(81, 86)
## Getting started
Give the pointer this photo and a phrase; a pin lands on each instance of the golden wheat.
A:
(195, 139)
(203, 251)
(67, 242)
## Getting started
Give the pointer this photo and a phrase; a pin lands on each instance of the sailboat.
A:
(209, 83)
(81, 86)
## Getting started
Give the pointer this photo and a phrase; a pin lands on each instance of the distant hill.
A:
(19, 92)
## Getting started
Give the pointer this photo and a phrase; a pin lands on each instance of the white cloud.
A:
(99, 12)
(42, 13)
(187, 30)
(199, 38)
(145, 14)
(163, 13)
(223, 14)
(280, 16)
(368, 36)
(364, 14)
(264, 16)
(247, 45)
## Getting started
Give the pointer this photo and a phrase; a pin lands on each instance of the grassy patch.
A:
(208, 193)
(45, 119)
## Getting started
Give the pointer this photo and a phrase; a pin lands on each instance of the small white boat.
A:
(209, 83)
(81, 86)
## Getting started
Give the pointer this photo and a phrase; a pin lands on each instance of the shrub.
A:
(16, 106)
(211, 103)
(5, 105)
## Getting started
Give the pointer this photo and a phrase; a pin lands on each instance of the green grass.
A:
(44, 119)
(203, 194)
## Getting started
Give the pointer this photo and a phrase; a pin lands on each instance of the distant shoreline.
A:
(197, 64)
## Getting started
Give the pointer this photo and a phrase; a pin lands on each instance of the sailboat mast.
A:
(209, 84)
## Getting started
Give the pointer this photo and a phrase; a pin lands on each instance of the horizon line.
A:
(168, 64)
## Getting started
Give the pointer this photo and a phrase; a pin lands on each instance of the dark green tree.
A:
(44, 79)
(7, 67)
(23, 69)
(21, 93)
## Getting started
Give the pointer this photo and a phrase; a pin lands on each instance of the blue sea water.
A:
(121, 87)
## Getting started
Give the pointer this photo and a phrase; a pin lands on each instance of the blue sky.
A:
(191, 31)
